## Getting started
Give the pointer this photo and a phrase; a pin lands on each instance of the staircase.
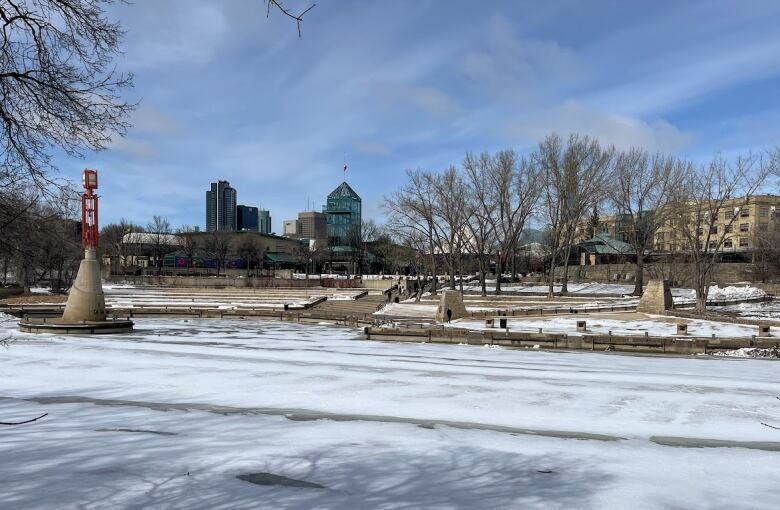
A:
(350, 307)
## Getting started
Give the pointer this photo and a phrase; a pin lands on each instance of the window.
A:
(699, 231)
(713, 229)
(744, 227)
(744, 212)
(660, 236)
(762, 226)
(713, 245)
(763, 212)
(743, 242)
(728, 243)
(729, 228)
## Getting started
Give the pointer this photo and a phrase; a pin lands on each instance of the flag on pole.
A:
(345, 169)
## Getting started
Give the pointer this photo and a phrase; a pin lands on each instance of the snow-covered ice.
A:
(654, 326)
(764, 310)
(169, 416)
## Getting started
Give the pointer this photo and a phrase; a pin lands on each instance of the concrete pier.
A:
(86, 301)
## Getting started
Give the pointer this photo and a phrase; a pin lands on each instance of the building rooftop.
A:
(343, 190)
(604, 244)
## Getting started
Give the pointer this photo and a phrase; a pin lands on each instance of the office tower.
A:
(221, 207)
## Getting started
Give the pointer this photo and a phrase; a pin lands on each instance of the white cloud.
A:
(147, 119)
(176, 32)
(393, 95)
(133, 147)
(373, 147)
(683, 75)
(520, 68)
(622, 131)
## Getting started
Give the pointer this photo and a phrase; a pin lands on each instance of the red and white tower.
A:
(89, 211)
(86, 302)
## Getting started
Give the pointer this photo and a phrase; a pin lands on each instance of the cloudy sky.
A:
(388, 85)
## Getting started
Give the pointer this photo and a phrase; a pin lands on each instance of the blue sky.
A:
(227, 94)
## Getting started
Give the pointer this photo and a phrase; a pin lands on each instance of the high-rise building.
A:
(221, 207)
(313, 225)
(264, 221)
(290, 228)
(248, 218)
(343, 214)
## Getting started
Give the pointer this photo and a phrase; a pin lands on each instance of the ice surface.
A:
(169, 416)
(603, 324)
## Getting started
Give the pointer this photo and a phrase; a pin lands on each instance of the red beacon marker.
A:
(89, 210)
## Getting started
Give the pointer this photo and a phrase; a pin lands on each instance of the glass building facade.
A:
(343, 216)
(248, 218)
(221, 207)
(264, 221)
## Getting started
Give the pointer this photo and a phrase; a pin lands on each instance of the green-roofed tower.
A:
(343, 214)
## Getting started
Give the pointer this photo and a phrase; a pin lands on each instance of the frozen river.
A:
(172, 415)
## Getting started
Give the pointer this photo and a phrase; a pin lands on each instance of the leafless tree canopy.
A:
(701, 200)
(576, 175)
(642, 188)
(58, 86)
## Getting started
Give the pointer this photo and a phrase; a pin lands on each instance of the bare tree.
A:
(480, 210)
(516, 184)
(766, 255)
(642, 188)
(39, 238)
(449, 212)
(159, 237)
(189, 244)
(702, 210)
(218, 245)
(575, 177)
(410, 213)
(249, 250)
(58, 86)
(114, 243)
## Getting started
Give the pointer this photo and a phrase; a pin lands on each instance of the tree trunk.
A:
(433, 270)
(565, 279)
(702, 286)
(551, 275)
(25, 280)
(499, 270)
(701, 302)
(460, 274)
(639, 273)
(482, 282)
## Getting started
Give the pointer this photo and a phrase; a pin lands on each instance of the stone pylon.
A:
(450, 301)
(657, 298)
(85, 300)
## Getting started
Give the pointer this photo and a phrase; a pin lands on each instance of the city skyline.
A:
(280, 115)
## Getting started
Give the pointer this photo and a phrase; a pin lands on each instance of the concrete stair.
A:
(365, 305)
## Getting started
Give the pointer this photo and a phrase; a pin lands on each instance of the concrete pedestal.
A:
(451, 306)
(85, 311)
(86, 301)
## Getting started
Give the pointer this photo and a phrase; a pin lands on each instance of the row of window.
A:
(714, 229)
(743, 242)
(763, 212)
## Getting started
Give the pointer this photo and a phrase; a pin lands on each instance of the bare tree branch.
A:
(23, 422)
(284, 10)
